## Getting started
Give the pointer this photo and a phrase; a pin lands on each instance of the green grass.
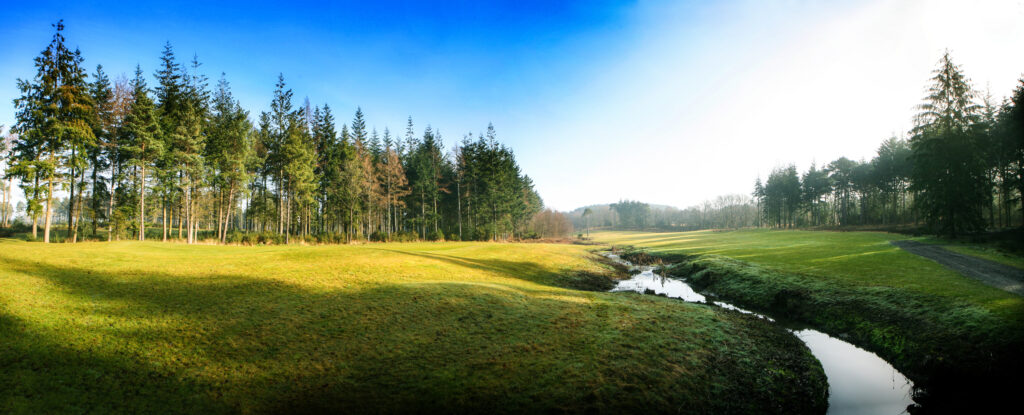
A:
(942, 329)
(849, 258)
(467, 327)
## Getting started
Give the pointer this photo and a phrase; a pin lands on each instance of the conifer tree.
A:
(53, 116)
(102, 126)
(140, 138)
(949, 171)
(228, 152)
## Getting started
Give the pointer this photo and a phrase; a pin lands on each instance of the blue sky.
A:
(667, 102)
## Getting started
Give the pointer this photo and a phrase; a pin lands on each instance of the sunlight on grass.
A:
(151, 327)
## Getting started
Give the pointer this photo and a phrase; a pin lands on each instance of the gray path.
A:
(991, 273)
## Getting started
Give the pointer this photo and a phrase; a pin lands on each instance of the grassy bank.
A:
(461, 327)
(951, 334)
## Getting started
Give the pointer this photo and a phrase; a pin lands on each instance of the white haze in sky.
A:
(700, 101)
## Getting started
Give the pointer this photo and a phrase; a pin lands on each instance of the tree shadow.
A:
(217, 343)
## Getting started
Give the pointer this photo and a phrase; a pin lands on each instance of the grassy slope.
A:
(929, 321)
(150, 327)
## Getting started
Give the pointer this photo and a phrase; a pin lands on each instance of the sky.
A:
(667, 102)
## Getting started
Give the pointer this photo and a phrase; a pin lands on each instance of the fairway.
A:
(849, 258)
(171, 328)
(952, 334)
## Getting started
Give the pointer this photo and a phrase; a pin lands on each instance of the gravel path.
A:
(991, 273)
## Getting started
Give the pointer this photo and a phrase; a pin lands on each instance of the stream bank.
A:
(860, 382)
(961, 357)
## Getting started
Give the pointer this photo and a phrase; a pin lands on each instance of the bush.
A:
(270, 238)
(403, 236)
(435, 235)
(235, 237)
(330, 238)
(378, 236)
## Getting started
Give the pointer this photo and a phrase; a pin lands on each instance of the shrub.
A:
(235, 237)
(270, 238)
(435, 235)
(404, 236)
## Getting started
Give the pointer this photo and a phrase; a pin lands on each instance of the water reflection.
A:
(860, 382)
(669, 287)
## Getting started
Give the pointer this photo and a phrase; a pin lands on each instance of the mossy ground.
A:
(422, 327)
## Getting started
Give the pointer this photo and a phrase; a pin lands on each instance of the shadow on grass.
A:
(163, 343)
(108, 342)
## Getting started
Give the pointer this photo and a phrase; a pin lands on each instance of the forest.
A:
(960, 171)
(114, 158)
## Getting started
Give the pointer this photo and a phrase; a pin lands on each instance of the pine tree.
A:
(53, 116)
(140, 138)
(300, 180)
(948, 171)
(228, 153)
(280, 114)
(103, 129)
(395, 184)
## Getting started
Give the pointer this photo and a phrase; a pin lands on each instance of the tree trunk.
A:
(46, 219)
(163, 215)
(280, 205)
(71, 196)
(93, 203)
(142, 203)
(78, 212)
(181, 219)
(110, 205)
(188, 213)
(227, 215)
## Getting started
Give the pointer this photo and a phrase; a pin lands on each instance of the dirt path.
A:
(991, 273)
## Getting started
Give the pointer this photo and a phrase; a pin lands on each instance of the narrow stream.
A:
(860, 382)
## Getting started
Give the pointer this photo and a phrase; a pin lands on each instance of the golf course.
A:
(499, 327)
(570, 207)
(148, 327)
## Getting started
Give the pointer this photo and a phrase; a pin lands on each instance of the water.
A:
(860, 382)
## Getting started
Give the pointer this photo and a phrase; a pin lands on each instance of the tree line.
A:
(188, 160)
(960, 171)
(723, 212)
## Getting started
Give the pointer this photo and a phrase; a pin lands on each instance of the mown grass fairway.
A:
(854, 258)
(164, 328)
(952, 334)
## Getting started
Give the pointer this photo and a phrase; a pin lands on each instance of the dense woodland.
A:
(111, 159)
(960, 171)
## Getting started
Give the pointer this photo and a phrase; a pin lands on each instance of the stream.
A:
(859, 381)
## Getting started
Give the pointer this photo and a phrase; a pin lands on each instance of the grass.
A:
(949, 333)
(422, 327)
